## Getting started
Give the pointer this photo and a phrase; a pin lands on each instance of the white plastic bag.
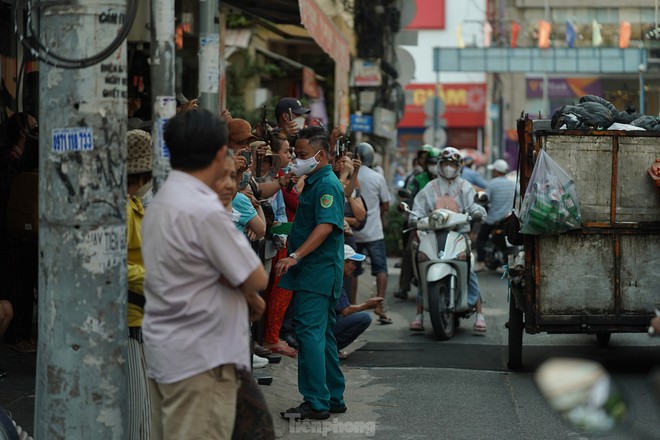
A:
(551, 204)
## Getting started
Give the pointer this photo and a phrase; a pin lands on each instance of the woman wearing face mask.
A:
(445, 190)
(138, 170)
(278, 299)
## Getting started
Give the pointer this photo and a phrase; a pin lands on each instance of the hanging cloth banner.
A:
(325, 33)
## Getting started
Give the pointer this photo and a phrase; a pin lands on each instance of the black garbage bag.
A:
(650, 123)
(602, 101)
(596, 115)
(569, 116)
(588, 115)
(627, 116)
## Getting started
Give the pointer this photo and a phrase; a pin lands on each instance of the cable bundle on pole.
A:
(37, 49)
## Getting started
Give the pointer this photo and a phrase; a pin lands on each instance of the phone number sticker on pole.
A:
(72, 139)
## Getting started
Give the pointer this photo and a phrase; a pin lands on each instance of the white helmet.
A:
(452, 155)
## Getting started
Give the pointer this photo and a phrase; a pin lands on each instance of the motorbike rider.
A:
(416, 184)
(500, 191)
(419, 164)
(450, 191)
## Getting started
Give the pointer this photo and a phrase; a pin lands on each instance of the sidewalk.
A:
(17, 389)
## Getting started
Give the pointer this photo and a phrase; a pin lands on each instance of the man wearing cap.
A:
(290, 116)
(501, 191)
(352, 321)
(314, 271)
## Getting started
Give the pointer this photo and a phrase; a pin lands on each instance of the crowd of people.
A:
(242, 252)
(252, 247)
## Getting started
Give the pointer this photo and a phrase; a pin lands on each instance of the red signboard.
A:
(325, 33)
(430, 15)
(464, 104)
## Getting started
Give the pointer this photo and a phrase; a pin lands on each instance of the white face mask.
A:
(300, 167)
(449, 172)
(417, 169)
(300, 122)
(433, 170)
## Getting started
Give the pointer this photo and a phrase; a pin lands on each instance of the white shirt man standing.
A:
(202, 276)
(371, 239)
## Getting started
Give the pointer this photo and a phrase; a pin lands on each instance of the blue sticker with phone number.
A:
(72, 139)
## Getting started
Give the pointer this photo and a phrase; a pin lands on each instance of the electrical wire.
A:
(42, 53)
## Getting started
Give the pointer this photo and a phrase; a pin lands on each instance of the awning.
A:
(289, 61)
(305, 12)
(276, 11)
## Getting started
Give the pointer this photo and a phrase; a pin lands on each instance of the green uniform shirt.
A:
(322, 271)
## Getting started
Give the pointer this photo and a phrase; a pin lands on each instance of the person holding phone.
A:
(291, 116)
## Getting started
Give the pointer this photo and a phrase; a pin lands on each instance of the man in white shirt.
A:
(501, 192)
(371, 239)
(202, 276)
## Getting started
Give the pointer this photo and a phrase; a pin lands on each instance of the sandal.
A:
(480, 325)
(417, 325)
(283, 348)
(382, 317)
(384, 320)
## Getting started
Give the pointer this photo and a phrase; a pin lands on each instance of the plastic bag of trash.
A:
(586, 115)
(551, 204)
(604, 102)
(627, 116)
(596, 115)
(568, 117)
(650, 123)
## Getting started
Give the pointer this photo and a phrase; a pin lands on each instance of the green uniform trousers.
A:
(320, 379)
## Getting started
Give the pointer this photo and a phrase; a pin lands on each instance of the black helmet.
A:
(366, 153)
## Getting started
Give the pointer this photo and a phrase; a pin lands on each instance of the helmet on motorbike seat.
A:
(366, 153)
(451, 155)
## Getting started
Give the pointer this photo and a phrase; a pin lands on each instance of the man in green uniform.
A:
(314, 272)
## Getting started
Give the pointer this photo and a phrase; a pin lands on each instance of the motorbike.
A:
(498, 248)
(441, 266)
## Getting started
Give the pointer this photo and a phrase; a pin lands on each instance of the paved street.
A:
(410, 386)
(402, 385)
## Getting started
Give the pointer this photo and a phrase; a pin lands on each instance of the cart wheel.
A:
(516, 327)
(603, 339)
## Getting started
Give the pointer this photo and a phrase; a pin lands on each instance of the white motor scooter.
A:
(442, 267)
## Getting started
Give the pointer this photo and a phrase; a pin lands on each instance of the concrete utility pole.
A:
(81, 363)
(162, 83)
(209, 55)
